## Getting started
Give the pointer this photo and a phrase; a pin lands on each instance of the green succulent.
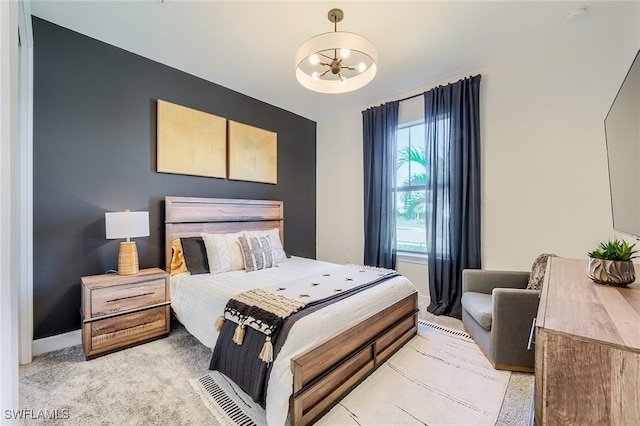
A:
(614, 250)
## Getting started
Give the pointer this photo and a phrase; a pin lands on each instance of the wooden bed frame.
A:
(323, 375)
(189, 216)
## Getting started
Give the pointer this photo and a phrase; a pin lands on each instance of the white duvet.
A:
(198, 300)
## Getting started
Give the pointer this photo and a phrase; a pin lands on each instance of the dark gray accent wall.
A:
(94, 142)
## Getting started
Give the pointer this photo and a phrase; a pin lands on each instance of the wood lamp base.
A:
(128, 258)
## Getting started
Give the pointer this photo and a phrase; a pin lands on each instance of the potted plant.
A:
(611, 264)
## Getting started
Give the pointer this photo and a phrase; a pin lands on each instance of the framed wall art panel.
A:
(253, 153)
(191, 142)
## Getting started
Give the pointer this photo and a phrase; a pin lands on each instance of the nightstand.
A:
(119, 311)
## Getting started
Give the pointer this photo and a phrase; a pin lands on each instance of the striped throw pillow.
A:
(256, 252)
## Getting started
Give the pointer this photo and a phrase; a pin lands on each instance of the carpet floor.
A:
(149, 385)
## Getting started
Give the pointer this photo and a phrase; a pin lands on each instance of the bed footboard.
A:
(323, 375)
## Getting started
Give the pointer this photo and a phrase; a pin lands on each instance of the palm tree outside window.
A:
(413, 198)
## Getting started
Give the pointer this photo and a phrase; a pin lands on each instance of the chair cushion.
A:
(479, 306)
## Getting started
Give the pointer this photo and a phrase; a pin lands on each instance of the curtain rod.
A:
(420, 94)
(410, 97)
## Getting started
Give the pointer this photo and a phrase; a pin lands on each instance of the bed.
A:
(313, 370)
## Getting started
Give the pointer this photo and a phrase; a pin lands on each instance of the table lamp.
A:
(127, 225)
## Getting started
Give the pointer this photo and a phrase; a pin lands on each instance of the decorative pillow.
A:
(223, 251)
(256, 252)
(274, 239)
(195, 255)
(537, 272)
(178, 264)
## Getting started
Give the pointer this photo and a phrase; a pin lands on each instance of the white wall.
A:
(416, 271)
(340, 199)
(545, 184)
(544, 171)
(8, 259)
(631, 36)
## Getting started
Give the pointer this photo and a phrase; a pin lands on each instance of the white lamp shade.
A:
(126, 224)
(336, 40)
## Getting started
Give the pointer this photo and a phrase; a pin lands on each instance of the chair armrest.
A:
(483, 281)
(513, 312)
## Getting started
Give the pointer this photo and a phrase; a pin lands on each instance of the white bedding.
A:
(198, 300)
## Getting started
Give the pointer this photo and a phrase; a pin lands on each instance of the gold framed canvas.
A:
(191, 142)
(253, 153)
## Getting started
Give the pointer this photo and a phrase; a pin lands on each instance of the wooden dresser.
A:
(587, 349)
(123, 310)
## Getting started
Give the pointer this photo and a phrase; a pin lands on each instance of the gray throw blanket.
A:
(265, 310)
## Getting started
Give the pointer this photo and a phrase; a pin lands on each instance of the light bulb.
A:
(344, 53)
(313, 59)
(315, 76)
(342, 79)
(361, 67)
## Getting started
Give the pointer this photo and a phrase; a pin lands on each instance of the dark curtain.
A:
(452, 130)
(380, 125)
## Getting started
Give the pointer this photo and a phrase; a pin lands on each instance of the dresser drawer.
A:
(126, 329)
(125, 297)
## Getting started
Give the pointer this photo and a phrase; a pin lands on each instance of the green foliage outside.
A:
(413, 202)
(411, 214)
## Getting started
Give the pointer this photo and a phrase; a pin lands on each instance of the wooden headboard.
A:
(189, 216)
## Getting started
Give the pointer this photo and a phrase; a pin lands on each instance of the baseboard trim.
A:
(59, 341)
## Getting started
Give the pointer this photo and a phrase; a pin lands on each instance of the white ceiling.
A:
(250, 46)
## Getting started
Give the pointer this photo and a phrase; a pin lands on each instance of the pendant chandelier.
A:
(336, 62)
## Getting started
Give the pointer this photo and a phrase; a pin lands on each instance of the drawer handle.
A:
(129, 297)
(532, 336)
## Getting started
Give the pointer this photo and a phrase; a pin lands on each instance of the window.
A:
(411, 180)
(413, 196)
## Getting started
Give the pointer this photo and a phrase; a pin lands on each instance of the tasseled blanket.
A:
(261, 310)
(265, 310)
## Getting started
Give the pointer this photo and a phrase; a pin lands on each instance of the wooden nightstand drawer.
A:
(122, 310)
(109, 300)
(122, 330)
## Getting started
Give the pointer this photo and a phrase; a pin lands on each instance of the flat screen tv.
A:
(622, 129)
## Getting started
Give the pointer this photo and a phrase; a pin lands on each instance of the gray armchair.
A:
(497, 311)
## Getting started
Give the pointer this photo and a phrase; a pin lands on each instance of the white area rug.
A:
(440, 377)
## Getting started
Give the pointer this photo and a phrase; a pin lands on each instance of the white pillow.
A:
(223, 251)
(276, 244)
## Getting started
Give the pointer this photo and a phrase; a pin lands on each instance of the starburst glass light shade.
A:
(353, 58)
